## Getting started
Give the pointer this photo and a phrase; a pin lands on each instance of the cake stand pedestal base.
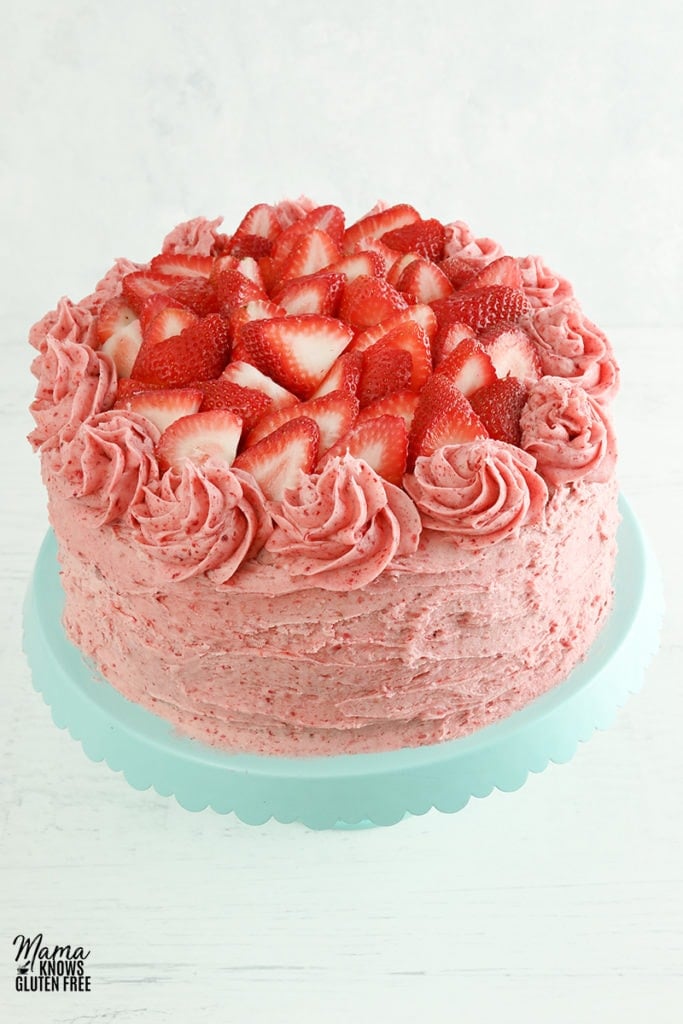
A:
(357, 790)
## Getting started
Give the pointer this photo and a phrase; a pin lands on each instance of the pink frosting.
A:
(343, 526)
(196, 236)
(109, 461)
(461, 242)
(200, 519)
(572, 347)
(568, 433)
(74, 383)
(291, 210)
(68, 322)
(480, 492)
(110, 285)
(541, 285)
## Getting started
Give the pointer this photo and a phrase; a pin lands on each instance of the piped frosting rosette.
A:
(108, 463)
(478, 252)
(571, 346)
(343, 526)
(198, 519)
(197, 236)
(479, 493)
(74, 384)
(542, 286)
(569, 434)
(68, 322)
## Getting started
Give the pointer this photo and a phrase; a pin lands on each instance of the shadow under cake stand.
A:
(351, 790)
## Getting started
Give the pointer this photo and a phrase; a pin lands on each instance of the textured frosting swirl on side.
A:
(109, 461)
(569, 434)
(342, 527)
(198, 519)
(571, 346)
(542, 286)
(74, 383)
(68, 322)
(480, 492)
(478, 252)
(197, 236)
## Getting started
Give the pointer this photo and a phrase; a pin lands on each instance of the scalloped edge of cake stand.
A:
(356, 790)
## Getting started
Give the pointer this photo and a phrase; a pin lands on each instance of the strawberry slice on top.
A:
(499, 407)
(164, 406)
(425, 237)
(469, 367)
(181, 264)
(334, 414)
(296, 351)
(114, 315)
(343, 375)
(199, 352)
(442, 416)
(382, 442)
(199, 437)
(483, 307)
(278, 459)
(368, 301)
(248, 376)
(247, 403)
(376, 225)
(167, 323)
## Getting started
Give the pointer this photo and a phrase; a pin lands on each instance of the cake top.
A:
(343, 387)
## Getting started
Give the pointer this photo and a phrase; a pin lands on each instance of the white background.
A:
(554, 127)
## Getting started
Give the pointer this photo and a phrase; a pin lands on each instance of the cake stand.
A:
(354, 790)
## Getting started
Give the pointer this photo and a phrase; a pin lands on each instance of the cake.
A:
(321, 489)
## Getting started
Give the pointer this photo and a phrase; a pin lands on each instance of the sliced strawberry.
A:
(403, 261)
(296, 351)
(385, 371)
(482, 308)
(233, 290)
(503, 271)
(344, 375)
(140, 284)
(402, 403)
(458, 270)
(123, 347)
(317, 293)
(200, 352)
(448, 339)
(247, 403)
(410, 337)
(312, 252)
(256, 232)
(468, 367)
(181, 264)
(368, 301)
(251, 269)
(126, 387)
(422, 281)
(221, 264)
(168, 323)
(442, 416)
(328, 219)
(382, 442)
(499, 407)
(152, 306)
(359, 264)
(388, 256)
(247, 376)
(163, 406)
(375, 225)
(425, 237)
(420, 314)
(114, 315)
(512, 352)
(335, 414)
(197, 293)
(257, 309)
(277, 460)
(251, 245)
(201, 436)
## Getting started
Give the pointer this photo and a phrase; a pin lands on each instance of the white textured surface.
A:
(561, 902)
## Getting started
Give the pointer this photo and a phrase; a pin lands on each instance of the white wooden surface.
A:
(562, 902)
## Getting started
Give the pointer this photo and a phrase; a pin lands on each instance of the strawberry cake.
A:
(325, 488)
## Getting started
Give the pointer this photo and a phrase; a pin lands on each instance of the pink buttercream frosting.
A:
(108, 463)
(74, 382)
(342, 527)
(110, 285)
(197, 236)
(198, 519)
(68, 322)
(479, 493)
(569, 434)
(479, 252)
(542, 286)
(572, 347)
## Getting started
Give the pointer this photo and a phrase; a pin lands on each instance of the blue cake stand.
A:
(355, 790)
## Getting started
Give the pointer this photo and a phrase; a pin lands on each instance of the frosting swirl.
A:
(478, 252)
(108, 462)
(541, 285)
(572, 347)
(480, 492)
(568, 433)
(343, 526)
(74, 383)
(198, 519)
(197, 236)
(68, 322)
(110, 285)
